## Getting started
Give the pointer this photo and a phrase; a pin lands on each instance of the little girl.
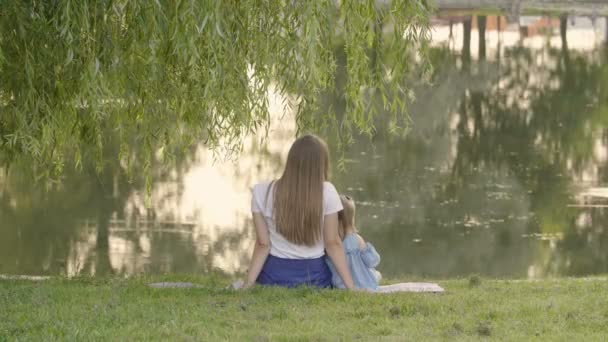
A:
(361, 256)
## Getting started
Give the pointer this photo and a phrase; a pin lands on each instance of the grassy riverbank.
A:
(116, 308)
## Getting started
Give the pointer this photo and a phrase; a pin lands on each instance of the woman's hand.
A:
(237, 285)
(246, 285)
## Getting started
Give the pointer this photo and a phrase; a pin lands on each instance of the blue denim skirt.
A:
(295, 272)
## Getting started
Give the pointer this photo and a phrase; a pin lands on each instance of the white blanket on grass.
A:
(411, 287)
(400, 287)
(393, 288)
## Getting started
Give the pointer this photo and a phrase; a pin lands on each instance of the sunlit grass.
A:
(117, 308)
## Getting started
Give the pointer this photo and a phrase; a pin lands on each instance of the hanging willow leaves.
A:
(166, 75)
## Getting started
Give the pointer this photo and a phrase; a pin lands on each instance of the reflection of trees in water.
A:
(71, 228)
(549, 142)
(42, 227)
(582, 251)
(542, 124)
(542, 114)
(495, 154)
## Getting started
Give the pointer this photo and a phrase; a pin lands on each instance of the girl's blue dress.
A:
(362, 264)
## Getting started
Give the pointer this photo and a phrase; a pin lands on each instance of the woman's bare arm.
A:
(260, 251)
(335, 250)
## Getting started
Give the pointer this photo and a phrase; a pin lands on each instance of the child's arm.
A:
(369, 255)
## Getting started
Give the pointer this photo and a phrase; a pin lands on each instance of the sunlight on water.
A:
(215, 202)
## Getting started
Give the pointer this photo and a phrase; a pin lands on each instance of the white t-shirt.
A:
(279, 246)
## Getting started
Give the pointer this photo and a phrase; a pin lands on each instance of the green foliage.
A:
(161, 76)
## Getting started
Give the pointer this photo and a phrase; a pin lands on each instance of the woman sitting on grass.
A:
(296, 223)
(361, 256)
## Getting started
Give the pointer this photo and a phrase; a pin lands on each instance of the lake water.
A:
(504, 173)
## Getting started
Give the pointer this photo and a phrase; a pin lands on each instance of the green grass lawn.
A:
(127, 309)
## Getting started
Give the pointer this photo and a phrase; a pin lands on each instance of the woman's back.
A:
(296, 222)
(262, 202)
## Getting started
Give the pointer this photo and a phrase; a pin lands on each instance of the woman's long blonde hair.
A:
(298, 194)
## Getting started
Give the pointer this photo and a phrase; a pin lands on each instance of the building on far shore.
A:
(462, 31)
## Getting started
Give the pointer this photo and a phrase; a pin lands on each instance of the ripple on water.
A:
(544, 236)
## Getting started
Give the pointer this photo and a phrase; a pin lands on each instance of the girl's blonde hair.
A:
(298, 194)
(346, 216)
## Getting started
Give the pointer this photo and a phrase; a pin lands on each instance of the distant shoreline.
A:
(582, 7)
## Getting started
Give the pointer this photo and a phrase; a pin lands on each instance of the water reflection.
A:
(97, 224)
(513, 128)
(502, 175)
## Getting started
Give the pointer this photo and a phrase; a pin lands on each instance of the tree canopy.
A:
(161, 76)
